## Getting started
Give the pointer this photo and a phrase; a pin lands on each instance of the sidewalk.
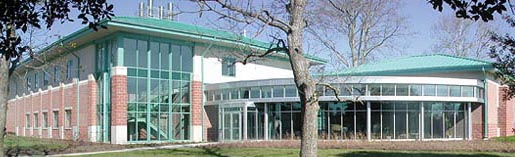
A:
(141, 148)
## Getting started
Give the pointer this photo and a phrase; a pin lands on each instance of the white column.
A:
(266, 122)
(421, 119)
(245, 121)
(369, 121)
(469, 121)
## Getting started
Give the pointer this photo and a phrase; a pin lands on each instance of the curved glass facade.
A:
(273, 112)
(348, 121)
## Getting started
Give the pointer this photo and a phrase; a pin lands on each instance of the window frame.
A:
(68, 118)
(45, 119)
(55, 119)
(229, 67)
(27, 120)
(36, 120)
(69, 65)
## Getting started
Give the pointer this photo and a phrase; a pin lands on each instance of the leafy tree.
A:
(17, 16)
(503, 51)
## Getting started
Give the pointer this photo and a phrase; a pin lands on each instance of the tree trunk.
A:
(305, 84)
(4, 93)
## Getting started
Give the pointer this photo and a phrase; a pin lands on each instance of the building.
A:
(151, 80)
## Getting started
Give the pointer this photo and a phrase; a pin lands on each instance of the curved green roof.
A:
(421, 64)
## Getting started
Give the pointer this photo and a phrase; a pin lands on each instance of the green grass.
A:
(505, 138)
(276, 152)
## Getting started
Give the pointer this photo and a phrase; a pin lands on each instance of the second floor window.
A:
(57, 74)
(228, 67)
(36, 81)
(69, 67)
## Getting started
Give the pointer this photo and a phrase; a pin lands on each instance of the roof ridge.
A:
(465, 58)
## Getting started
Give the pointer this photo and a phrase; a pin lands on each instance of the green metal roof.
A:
(154, 24)
(422, 64)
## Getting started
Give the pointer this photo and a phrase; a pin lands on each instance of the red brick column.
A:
(477, 121)
(119, 105)
(505, 113)
(196, 110)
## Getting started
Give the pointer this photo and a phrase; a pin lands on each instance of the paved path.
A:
(141, 148)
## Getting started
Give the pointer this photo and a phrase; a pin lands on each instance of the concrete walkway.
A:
(141, 148)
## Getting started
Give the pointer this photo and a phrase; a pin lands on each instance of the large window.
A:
(228, 67)
(158, 83)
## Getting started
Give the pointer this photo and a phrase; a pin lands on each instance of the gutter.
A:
(485, 105)
(204, 86)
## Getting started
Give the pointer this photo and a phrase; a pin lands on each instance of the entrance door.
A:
(232, 125)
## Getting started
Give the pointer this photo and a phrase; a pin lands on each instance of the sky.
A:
(421, 17)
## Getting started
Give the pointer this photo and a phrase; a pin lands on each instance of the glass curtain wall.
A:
(104, 57)
(347, 120)
(158, 85)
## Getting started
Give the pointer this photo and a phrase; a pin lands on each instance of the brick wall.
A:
(61, 98)
(477, 121)
(505, 113)
(493, 106)
(211, 130)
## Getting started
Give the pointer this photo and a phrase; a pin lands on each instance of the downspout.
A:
(204, 86)
(485, 104)
(77, 96)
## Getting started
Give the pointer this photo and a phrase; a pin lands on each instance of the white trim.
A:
(409, 80)
(119, 70)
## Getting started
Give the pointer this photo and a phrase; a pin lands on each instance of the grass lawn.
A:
(506, 139)
(286, 152)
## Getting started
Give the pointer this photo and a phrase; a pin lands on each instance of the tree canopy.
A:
(503, 49)
(17, 16)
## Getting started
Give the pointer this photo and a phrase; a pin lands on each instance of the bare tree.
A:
(354, 30)
(288, 18)
(462, 37)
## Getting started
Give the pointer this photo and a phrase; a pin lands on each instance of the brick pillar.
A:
(477, 121)
(196, 111)
(493, 104)
(92, 113)
(119, 105)
(505, 113)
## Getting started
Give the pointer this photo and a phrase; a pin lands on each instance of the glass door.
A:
(231, 125)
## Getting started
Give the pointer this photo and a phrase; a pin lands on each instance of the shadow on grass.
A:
(200, 151)
(409, 154)
(213, 152)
